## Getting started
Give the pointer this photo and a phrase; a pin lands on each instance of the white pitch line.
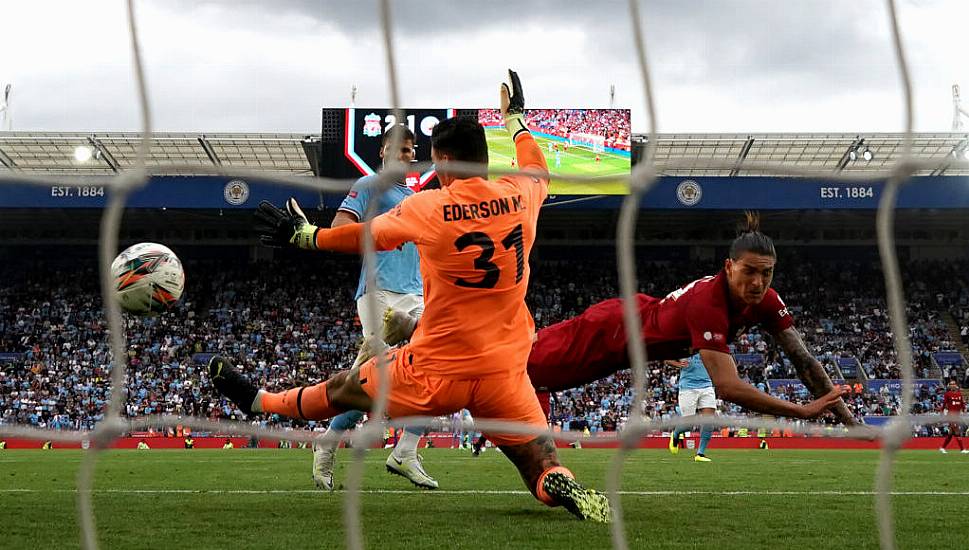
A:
(476, 492)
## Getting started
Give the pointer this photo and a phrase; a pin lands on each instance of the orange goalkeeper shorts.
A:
(415, 393)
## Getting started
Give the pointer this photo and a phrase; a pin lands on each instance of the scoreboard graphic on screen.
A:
(594, 142)
(351, 138)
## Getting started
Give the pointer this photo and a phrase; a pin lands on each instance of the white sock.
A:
(257, 402)
(407, 446)
(330, 440)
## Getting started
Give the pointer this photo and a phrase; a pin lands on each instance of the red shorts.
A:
(413, 392)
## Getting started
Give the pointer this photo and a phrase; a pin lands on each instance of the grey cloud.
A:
(723, 41)
(748, 51)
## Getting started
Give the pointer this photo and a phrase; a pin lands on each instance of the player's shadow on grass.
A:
(537, 514)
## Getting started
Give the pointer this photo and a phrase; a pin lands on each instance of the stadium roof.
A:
(823, 154)
(171, 153)
(191, 153)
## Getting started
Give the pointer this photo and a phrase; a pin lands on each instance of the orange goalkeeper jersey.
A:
(474, 238)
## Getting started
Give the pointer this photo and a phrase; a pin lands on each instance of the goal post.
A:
(592, 141)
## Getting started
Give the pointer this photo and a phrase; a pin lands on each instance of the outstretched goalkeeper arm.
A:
(279, 228)
(529, 154)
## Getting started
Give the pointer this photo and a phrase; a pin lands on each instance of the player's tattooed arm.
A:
(730, 387)
(810, 371)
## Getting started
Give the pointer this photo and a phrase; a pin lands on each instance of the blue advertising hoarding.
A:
(160, 192)
(669, 193)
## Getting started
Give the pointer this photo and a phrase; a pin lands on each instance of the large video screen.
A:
(586, 142)
(594, 142)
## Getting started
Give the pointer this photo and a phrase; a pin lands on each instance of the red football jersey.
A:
(694, 317)
(954, 401)
(697, 316)
(700, 315)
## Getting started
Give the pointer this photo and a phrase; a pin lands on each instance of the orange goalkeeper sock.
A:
(307, 402)
(540, 492)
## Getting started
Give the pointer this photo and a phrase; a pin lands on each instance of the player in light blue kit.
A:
(400, 288)
(696, 396)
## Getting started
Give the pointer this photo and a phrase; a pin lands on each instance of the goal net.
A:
(641, 180)
(590, 141)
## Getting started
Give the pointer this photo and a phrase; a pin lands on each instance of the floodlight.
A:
(82, 153)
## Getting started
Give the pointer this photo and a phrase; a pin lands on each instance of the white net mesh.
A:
(641, 179)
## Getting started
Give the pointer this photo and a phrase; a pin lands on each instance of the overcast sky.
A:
(246, 65)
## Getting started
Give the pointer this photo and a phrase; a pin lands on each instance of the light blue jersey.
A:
(694, 376)
(397, 270)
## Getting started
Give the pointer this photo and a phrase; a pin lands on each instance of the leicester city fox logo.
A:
(689, 192)
(371, 125)
(236, 192)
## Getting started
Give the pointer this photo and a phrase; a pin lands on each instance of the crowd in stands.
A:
(287, 325)
(612, 124)
(294, 322)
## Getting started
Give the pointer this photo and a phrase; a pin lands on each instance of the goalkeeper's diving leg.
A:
(535, 457)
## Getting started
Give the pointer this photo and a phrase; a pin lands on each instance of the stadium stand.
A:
(53, 346)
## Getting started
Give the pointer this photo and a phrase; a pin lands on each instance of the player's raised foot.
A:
(232, 384)
(674, 444)
(585, 504)
(942, 450)
(398, 326)
(701, 458)
(323, 458)
(410, 467)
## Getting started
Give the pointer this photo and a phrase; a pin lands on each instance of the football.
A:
(148, 279)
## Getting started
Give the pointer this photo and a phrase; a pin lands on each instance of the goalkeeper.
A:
(471, 347)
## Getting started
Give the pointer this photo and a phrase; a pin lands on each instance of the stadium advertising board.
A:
(895, 386)
(591, 142)
(669, 193)
(159, 192)
(771, 193)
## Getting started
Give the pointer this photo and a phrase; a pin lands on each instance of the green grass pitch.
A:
(577, 161)
(265, 499)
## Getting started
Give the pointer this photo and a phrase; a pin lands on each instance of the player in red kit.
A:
(704, 316)
(953, 404)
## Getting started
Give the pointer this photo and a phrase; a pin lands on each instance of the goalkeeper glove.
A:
(278, 228)
(513, 105)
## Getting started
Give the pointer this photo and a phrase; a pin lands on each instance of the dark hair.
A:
(462, 139)
(750, 239)
(395, 131)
